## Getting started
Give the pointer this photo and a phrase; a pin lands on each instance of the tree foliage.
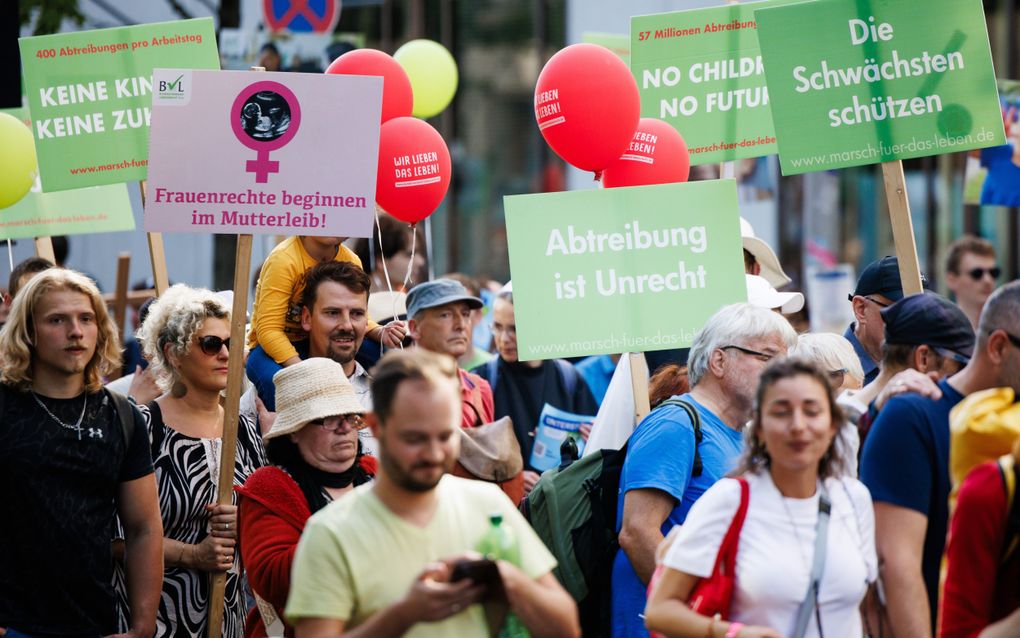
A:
(51, 13)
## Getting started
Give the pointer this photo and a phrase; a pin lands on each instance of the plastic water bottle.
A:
(499, 543)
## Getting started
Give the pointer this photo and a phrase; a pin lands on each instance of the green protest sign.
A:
(100, 209)
(622, 269)
(857, 82)
(701, 71)
(89, 94)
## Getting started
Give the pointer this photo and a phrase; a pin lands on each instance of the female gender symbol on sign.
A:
(265, 117)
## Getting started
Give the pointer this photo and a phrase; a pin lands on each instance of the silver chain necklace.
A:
(77, 426)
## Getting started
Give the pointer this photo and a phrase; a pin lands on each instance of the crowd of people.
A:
(782, 485)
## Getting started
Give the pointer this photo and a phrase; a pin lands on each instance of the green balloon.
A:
(17, 161)
(433, 74)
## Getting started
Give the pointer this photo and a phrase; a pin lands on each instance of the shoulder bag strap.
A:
(493, 366)
(125, 414)
(727, 557)
(692, 413)
(810, 602)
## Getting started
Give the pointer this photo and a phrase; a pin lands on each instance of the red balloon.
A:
(397, 99)
(414, 169)
(587, 105)
(657, 155)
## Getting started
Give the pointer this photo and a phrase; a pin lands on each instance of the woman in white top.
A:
(790, 452)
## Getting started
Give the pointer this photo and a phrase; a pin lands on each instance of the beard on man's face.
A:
(338, 353)
(405, 476)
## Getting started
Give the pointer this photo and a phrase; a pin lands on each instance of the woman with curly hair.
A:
(186, 339)
(316, 458)
(791, 488)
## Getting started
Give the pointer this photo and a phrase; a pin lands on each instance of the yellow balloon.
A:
(433, 74)
(17, 161)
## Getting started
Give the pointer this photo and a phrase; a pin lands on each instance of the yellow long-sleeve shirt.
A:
(276, 314)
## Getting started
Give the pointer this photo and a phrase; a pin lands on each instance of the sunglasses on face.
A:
(211, 345)
(336, 423)
(978, 273)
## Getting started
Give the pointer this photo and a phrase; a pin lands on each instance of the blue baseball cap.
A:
(430, 294)
(882, 277)
(932, 320)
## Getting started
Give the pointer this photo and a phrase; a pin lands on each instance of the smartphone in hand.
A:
(482, 572)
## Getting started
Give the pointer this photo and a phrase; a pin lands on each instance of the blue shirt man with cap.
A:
(905, 463)
(878, 287)
(439, 319)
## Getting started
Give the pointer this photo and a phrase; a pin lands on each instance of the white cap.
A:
(383, 304)
(771, 270)
(761, 293)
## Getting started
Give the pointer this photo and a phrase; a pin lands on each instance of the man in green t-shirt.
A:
(378, 561)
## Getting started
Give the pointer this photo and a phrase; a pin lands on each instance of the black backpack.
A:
(573, 510)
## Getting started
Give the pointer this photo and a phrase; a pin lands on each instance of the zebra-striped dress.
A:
(186, 473)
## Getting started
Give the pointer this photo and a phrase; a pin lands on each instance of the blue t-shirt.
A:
(906, 463)
(660, 455)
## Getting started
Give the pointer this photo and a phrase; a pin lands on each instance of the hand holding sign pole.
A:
(263, 129)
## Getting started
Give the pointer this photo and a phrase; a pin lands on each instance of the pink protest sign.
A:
(263, 153)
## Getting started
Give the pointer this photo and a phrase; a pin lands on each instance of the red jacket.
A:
(272, 513)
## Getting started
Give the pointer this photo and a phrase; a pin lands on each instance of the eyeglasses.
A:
(880, 304)
(764, 357)
(211, 345)
(336, 423)
(977, 274)
(836, 377)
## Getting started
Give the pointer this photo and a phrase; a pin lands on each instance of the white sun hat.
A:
(761, 293)
(315, 388)
(771, 269)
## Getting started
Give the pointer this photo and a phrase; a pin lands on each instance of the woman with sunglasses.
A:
(795, 496)
(316, 458)
(186, 339)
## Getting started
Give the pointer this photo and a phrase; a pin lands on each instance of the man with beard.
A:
(379, 561)
(334, 313)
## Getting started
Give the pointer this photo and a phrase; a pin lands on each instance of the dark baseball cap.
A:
(932, 320)
(430, 294)
(882, 277)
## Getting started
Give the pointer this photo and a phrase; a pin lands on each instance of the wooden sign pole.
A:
(231, 411)
(44, 249)
(228, 452)
(120, 299)
(639, 384)
(902, 227)
(157, 255)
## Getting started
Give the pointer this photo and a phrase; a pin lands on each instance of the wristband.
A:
(734, 629)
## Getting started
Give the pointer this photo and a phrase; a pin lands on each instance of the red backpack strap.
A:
(727, 557)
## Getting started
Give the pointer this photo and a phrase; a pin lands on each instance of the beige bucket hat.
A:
(315, 388)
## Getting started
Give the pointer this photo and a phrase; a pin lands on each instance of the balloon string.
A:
(386, 274)
(10, 254)
(410, 264)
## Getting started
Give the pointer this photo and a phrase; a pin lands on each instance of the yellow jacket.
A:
(276, 313)
(982, 427)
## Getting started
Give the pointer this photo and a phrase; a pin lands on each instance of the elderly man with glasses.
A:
(679, 450)
(878, 287)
